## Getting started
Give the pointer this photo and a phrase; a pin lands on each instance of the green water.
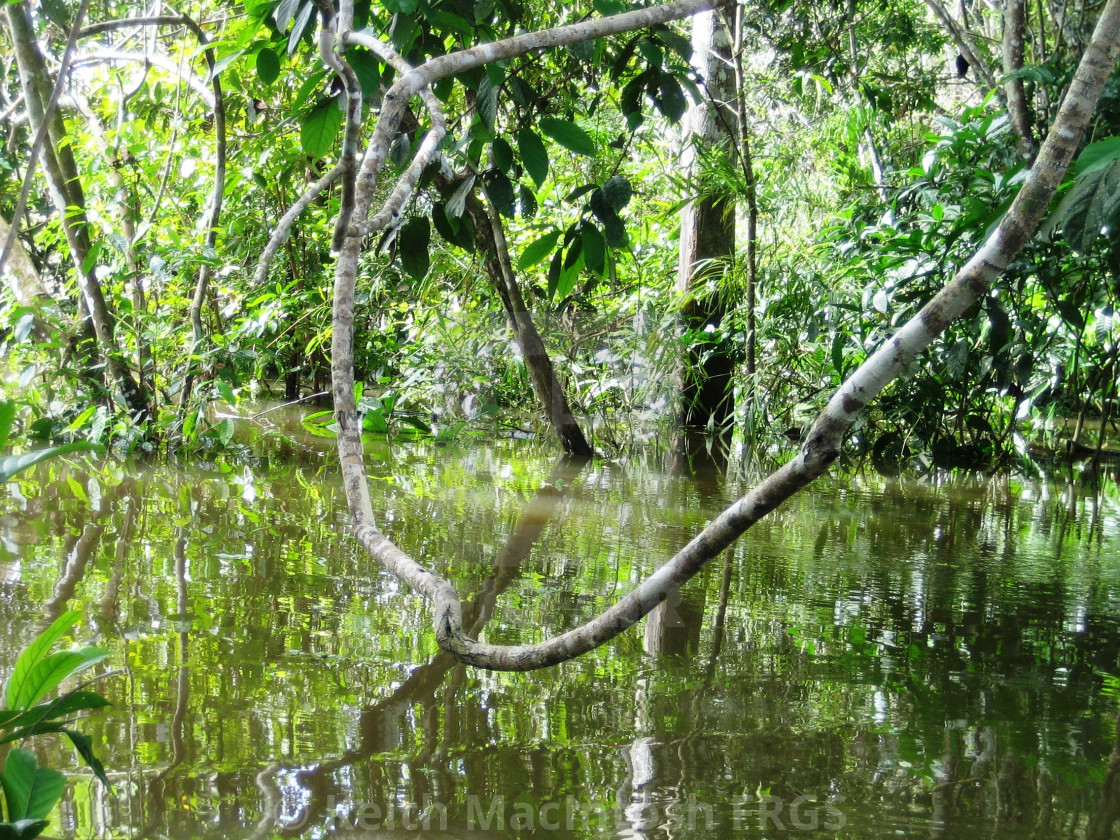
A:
(876, 659)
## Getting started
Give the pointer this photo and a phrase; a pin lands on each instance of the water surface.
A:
(876, 659)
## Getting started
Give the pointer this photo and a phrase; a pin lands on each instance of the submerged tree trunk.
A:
(491, 240)
(707, 241)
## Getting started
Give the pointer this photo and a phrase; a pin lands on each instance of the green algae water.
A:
(876, 659)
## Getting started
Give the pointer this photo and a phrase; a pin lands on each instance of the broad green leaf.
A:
(606, 8)
(57, 12)
(837, 353)
(670, 99)
(1097, 155)
(48, 673)
(499, 189)
(7, 417)
(42, 728)
(538, 250)
(30, 791)
(618, 192)
(570, 275)
(503, 154)
(534, 156)
(457, 231)
(374, 421)
(412, 246)
(594, 247)
(309, 86)
(569, 135)
(320, 128)
(417, 423)
(615, 232)
(527, 201)
(450, 22)
(367, 68)
(33, 654)
(268, 66)
(284, 14)
(486, 103)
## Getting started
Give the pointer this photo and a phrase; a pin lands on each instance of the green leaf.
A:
(1097, 155)
(320, 128)
(527, 201)
(594, 247)
(570, 274)
(374, 421)
(1089, 206)
(413, 242)
(417, 423)
(30, 791)
(299, 25)
(569, 135)
(224, 62)
(670, 100)
(46, 674)
(57, 12)
(554, 270)
(34, 653)
(22, 829)
(402, 7)
(534, 156)
(84, 745)
(615, 232)
(367, 68)
(12, 464)
(618, 192)
(7, 418)
(503, 154)
(268, 66)
(538, 250)
(837, 353)
(499, 189)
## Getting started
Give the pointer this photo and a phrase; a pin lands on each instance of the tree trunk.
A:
(1014, 25)
(491, 240)
(69, 200)
(707, 241)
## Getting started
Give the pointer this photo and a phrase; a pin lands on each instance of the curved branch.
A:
(130, 23)
(822, 445)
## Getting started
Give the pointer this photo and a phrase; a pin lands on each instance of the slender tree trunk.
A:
(1014, 26)
(751, 245)
(69, 200)
(707, 240)
(491, 240)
